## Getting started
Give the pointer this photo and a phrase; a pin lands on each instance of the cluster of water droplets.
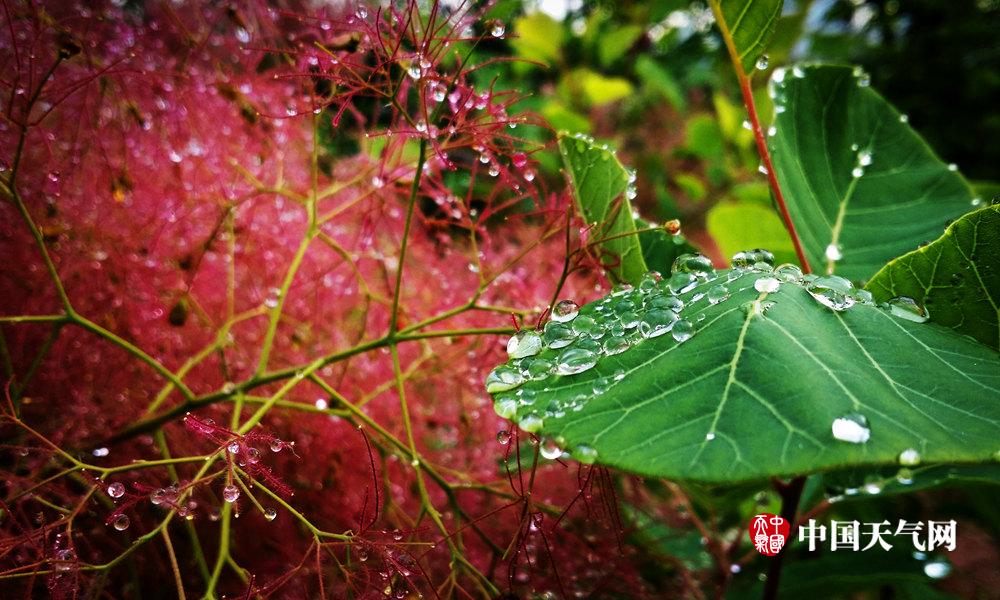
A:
(574, 341)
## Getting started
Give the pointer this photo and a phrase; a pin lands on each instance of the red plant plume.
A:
(258, 259)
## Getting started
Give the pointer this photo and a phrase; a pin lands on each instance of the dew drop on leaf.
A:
(718, 294)
(698, 265)
(270, 514)
(584, 454)
(833, 292)
(762, 62)
(907, 308)
(766, 285)
(503, 437)
(852, 428)
(657, 322)
(503, 378)
(557, 335)
(550, 449)
(531, 423)
(524, 343)
(565, 310)
(575, 360)
(682, 330)
(909, 457)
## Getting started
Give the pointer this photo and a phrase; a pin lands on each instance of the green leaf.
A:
(599, 184)
(538, 37)
(760, 387)
(659, 248)
(598, 89)
(843, 573)
(616, 43)
(660, 80)
(957, 277)
(860, 484)
(829, 123)
(727, 223)
(750, 25)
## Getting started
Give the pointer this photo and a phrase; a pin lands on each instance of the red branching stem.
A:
(758, 134)
(765, 157)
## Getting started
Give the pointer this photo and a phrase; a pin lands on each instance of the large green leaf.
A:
(957, 277)
(600, 185)
(760, 387)
(859, 182)
(750, 25)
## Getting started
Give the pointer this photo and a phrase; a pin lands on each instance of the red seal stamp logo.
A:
(768, 533)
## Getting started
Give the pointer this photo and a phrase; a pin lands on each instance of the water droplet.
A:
(558, 335)
(757, 260)
(121, 522)
(698, 265)
(937, 569)
(952, 167)
(586, 326)
(230, 493)
(503, 437)
(233, 447)
(904, 476)
(852, 428)
(864, 158)
(506, 408)
(531, 423)
(718, 294)
(709, 436)
(747, 125)
(276, 445)
(565, 310)
(414, 71)
(116, 490)
(907, 308)
(270, 514)
(536, 368)
(584, 454)
(575, 360)
(529, 175)
(615, 344)
(766, 285)
(789, 273)
(904, 119)
(909, 457)
(524, 343)
(681, 282)
(762, 169)
(682, 330)
(833, 292)
(762, 62)
(657, 322)
(772, 131)
(857, 172)
(497, 29)
(503, 378)
(550, 449)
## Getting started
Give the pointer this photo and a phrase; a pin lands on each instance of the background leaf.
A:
(755, 391)
(599, 184)
(727, 222)
(957, 277)
(830, 127)
(750, 23)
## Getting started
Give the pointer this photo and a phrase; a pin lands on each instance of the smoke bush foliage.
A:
(179, 238)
